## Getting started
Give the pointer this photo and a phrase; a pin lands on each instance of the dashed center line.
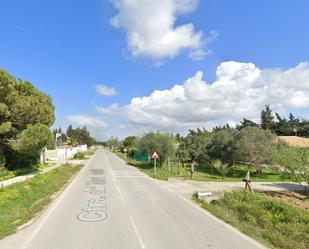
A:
(139, 237)
(120, 194)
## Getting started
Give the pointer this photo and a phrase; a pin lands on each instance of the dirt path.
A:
(190, 187)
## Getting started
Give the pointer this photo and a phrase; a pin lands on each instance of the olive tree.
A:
(163, 143)
(222, 146)
(295, 162)
(255, 146)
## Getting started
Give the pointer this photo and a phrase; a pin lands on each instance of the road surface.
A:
(110, 205)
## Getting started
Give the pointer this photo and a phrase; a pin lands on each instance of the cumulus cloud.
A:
(240, 90)
(105, 90)
(87, 120)
(151, 30)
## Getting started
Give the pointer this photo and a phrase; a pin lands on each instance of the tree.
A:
(255, 146)
(295, 162)
(163, 143)
(32, 140)
(246, 123)
(113, 143)
(21, 105)
(60, 137)
(130, 142)
(221, 146)
(267, 119)
(196, 143)
(182, 153)
(79, 136)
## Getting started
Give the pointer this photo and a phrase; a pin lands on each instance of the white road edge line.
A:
(52, 208)
(242, 235)
(139, 237)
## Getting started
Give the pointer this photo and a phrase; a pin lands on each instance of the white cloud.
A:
(151, 30)
(240, 90)
(199, 54)
(110, 110)
(86, 120)
(105, 90)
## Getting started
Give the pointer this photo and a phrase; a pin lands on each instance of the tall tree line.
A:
(26, 115)
(279, 125)
(73, 136)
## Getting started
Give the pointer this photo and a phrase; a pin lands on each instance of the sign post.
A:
(125, 150)
(247, 181)
(155, 156)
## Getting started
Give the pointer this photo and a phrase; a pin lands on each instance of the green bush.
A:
(80, 155)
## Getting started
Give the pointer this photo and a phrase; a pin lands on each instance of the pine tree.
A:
(267, 119)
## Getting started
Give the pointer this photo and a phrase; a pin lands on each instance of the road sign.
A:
(155, 155)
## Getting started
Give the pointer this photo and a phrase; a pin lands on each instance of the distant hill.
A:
(295, 141)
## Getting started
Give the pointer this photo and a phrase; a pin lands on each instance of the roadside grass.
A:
(20, 202)
(204, 172)
(84, 155)
(8, 174)
(90, 152)
(79, 156)
(275, 223)
(43, 166)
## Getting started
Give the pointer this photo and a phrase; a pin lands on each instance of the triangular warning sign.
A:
(155, 155)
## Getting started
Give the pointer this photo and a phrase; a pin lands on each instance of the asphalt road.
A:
(110, 205)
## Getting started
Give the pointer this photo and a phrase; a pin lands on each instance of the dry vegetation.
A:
(295, 141)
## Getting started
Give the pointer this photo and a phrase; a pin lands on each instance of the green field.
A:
(275, 223)
(20, 202)
(203, 172)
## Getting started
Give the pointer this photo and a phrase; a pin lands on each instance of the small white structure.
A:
(82, 148)
(64, 151)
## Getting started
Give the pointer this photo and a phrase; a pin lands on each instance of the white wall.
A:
(64, 152)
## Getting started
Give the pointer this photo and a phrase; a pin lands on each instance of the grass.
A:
(84, 155)
(43, 166)
(275, 223)
(80, 156)
(21, 202)
(8, 174)
(204, 172)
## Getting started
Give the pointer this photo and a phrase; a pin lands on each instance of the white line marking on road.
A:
(159, 184)
(139, 237)
(254, 242)
(52, 209)
(124, 171)
(121, 196)
(170, 190)
(137, 176)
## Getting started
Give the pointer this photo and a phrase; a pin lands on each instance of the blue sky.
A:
(67, 48)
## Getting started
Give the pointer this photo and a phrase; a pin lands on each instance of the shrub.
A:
(79, 155)
(276, 222)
